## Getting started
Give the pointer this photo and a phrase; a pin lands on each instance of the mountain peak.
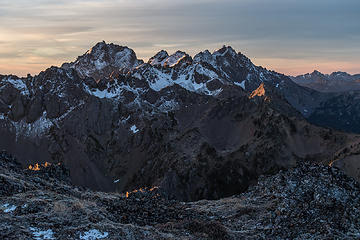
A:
(206, 73)
(159, 58)
(225, 50)
(176, 58)
(204, 56)
(335, 82)
(163, 59)
(104, 60)
(316, 72)
(98, 46)
(340, 74)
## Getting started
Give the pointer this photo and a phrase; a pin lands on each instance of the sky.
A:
(289, 36)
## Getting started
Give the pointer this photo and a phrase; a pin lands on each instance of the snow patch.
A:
(123, 58)
(262, 78)
(39, 234)
(188, 82)
(172, 60)
(159, 58)
(103, 94)
(18, 84)
(242, 84)
(207, 72)
(81, 103)
(162, 81)
(168, 105)
(109, 92)
(205, 57)
(100, 64)
(35, 129)
(7, 208)
(93, 234)
(134, 129)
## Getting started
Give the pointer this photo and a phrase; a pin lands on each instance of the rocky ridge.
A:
(334, 82)
(309, 201)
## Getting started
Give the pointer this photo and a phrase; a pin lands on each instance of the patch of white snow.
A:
(162, 81)
(7, 208)
(93, 234)
(100, 64)
(207, 72)
(167, 106)
(18, 84)
(134, 129)
(242, 84)
(35, 129)
(40, 235)
(173, 59)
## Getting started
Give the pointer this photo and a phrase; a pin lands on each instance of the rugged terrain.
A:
(340, 109)
(334, 82)
(198, 127)
(309, 201)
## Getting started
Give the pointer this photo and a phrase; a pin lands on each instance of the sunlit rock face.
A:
(176, 122)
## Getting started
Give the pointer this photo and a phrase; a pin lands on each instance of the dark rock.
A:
(35, 109)
(17, 109)
(309, 201)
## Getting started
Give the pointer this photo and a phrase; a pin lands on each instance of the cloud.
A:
(52, 32)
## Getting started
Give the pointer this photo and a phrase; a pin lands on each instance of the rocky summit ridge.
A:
(309, 201)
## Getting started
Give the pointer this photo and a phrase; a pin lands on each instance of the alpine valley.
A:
(211, 126)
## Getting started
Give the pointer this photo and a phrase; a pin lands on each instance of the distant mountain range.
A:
(334, 82)
(199, 127)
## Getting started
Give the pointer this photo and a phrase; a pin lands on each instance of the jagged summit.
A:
(225, 50)
(159, 58)
(103, 60)
(113, 72)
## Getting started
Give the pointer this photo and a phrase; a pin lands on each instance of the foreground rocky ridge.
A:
(177, 122)
(309, 201)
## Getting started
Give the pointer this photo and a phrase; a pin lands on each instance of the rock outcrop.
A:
(309, 201)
